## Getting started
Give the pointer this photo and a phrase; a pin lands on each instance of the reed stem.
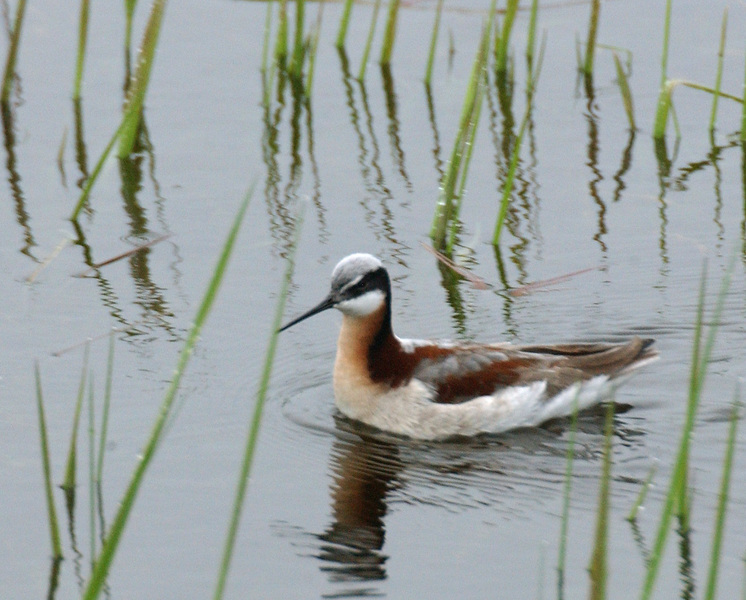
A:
(719, 76)
(255, 425)
(54, 530)
(110, 545)
(390, 33)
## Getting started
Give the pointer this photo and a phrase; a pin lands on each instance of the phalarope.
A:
(437, 389)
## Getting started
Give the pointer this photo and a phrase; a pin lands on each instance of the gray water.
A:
(331, 512)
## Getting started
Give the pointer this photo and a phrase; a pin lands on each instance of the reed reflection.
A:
(593, 150)
(397, 153)
(14, 180)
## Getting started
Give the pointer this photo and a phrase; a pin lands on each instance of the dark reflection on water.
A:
(14, 179)
(397, 152)
(370, 470)
(624, 166)
(593, 150)
(81, 153)
(364, 472)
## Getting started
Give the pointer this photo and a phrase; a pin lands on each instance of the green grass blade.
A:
(566, 488)
(254, 427)
(666, 37)
(105, 411)
(82, 41)
(531, 41)
(389, 34)
(445, 207)
(717, 539)
(91, 179)
(54, 530)
(299, 48)
(281, 45)
(677, 490)
(267, 32)
(632, 516)
(625, 91)
(70, 469)
(743, 113)
(719, 76)
(343, 24)
(139, 84)
(316, 33)
(590, 46)
(508, 187)
(664, 107)
(433, 44)
(109, 548)
(503, 40)
(598, 567)
(10, 61)
(91, 469)
(369, 41)
(664, 96)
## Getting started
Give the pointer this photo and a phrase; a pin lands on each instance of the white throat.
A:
(363, 305)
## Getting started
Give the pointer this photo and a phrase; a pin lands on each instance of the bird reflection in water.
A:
(365, 471)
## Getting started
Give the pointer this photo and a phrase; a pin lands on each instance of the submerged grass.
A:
(104, 559)
(54, 529)
(253, 434)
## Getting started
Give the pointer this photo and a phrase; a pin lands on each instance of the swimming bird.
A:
(438, 389)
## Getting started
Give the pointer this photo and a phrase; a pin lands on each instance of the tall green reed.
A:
(717, 538)
(676, 495)
(598, 565)
(433, 44)
(82, 42)
(624, 89)
(10, 60)
(68, 485)
(719, 75)
(515, 156)
(502, 41)
(369, 41)
(566, 489)
(108, 550)
(389, 34)
(256, 419)
(343, 24)
(664, 95)
(447, 206)
(54, 529)
(141, 78)
(299, 50)
(590, 46)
